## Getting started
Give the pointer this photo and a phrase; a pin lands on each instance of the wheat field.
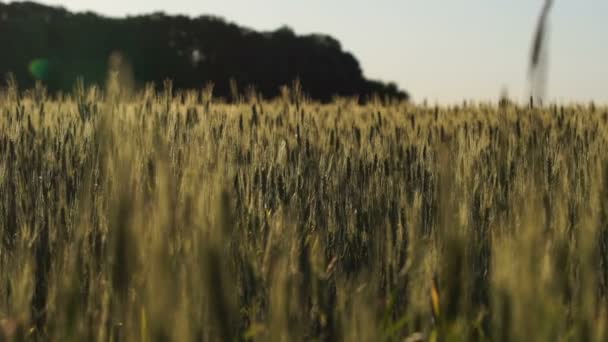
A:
(173, 216)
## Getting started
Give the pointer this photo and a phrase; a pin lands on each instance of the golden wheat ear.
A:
(435, 299)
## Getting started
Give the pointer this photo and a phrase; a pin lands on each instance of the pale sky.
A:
(440, 50)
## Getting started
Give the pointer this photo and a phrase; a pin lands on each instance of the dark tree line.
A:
(189, 51)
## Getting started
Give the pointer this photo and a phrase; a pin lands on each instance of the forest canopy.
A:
(56, 46)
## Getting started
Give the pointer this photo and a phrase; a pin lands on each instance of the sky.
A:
(441, 51)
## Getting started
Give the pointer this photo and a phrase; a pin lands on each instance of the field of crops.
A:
(174, 216)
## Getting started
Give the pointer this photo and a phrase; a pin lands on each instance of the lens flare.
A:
(39, 69)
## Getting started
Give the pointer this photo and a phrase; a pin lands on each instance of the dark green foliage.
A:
(54, 45)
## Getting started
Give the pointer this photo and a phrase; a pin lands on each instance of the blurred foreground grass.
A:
(168, 216)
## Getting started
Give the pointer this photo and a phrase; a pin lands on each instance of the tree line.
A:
(192, 52)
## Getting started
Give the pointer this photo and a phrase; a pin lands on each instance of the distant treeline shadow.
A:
(56, 46)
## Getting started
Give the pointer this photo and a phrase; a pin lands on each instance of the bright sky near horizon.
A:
(442, 51)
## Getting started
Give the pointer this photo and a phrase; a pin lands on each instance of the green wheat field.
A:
(166, 215)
